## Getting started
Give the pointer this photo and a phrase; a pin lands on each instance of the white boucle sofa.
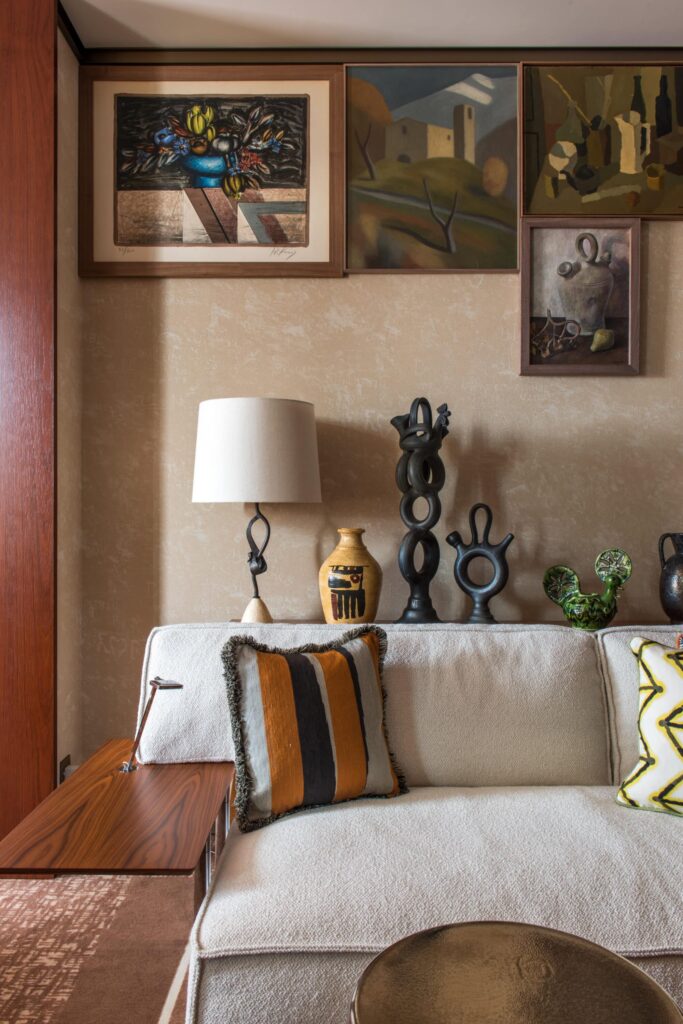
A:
(512, 739)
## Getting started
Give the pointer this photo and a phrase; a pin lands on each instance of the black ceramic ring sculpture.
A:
(420, 474)
(480, 594)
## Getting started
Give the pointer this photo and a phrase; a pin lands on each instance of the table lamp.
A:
(256, 450)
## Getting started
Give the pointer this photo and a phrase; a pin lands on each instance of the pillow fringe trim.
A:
(244, 782)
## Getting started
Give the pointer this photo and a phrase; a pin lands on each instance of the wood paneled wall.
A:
(27, 433)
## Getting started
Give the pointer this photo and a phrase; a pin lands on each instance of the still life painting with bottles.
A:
(604, 141)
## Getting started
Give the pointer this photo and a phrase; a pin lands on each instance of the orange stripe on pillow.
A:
(348, 735)
(282, 733)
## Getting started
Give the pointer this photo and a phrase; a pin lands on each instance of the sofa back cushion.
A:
(466, 705)
(622, 681)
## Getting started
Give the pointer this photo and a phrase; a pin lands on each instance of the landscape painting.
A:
(211, 170)
(580, 295)
(603, 141)
(432, 167)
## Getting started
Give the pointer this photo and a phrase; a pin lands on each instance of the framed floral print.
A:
(211, 171)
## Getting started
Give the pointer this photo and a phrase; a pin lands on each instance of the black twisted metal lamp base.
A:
(255, 560)
(256, 610)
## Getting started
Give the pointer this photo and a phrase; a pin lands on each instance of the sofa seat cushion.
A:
(359, 876)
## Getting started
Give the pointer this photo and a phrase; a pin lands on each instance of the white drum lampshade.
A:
(256, 450)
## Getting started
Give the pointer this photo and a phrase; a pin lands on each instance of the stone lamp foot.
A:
(256, 611)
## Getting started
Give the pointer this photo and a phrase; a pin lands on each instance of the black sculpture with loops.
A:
(420, 474)
(480, 593)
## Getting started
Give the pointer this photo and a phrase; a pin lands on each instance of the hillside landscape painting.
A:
(432, 167)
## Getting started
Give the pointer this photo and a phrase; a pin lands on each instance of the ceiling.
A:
(229, 24)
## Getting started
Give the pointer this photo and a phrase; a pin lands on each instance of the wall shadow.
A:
(120, 498)
(561, 507)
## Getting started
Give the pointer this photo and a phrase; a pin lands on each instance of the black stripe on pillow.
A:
(350, 661)
(320, 777)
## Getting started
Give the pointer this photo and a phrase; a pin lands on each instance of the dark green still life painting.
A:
(603, 140)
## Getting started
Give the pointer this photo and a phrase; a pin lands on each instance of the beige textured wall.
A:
(569, 465)
(68, 417)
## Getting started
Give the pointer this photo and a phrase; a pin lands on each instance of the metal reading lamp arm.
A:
(156, 684)
(255, 560)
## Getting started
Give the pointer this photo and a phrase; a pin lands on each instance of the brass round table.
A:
(506, 973)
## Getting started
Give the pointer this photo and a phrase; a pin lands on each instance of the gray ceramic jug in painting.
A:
(586, 284)
(671, 579)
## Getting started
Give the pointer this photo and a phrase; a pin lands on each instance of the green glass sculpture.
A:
(589, 611)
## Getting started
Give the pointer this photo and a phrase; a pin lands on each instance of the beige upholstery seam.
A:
(299, 949)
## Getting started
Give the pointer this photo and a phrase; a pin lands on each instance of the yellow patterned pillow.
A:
(656, 783)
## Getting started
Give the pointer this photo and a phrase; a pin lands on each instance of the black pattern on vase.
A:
(420, 474)
(346, 591)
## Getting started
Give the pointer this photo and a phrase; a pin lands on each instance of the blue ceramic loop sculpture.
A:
(480, 594)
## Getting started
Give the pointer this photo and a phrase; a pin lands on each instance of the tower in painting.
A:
(464, 135)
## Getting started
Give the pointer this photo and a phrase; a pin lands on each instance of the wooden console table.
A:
(163, 819)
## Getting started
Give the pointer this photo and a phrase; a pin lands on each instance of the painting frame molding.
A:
(333, 266)
(517, 66)
(631, 366)
(601, 60)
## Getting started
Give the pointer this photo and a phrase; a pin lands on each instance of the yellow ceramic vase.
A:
(350, 580)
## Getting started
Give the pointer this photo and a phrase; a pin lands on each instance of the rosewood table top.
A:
(155, 820)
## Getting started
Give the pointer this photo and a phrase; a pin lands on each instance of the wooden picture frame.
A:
(574, 309)
(154, 209)
(618, 137)
(411, 221)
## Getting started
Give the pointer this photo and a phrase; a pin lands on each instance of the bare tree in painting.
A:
(363, 146)
(445, 223)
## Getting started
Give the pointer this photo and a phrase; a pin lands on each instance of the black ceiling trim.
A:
(358, 55)
(69, 32)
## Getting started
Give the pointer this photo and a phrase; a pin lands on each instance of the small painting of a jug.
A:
(635, 141)
(671, 579)
(585, 285)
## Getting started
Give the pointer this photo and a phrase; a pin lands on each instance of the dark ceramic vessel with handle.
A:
(480, 594)
(671, 579)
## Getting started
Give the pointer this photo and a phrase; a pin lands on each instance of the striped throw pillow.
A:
(308, 725)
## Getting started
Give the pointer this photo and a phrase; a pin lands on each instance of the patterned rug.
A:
(92, 950)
